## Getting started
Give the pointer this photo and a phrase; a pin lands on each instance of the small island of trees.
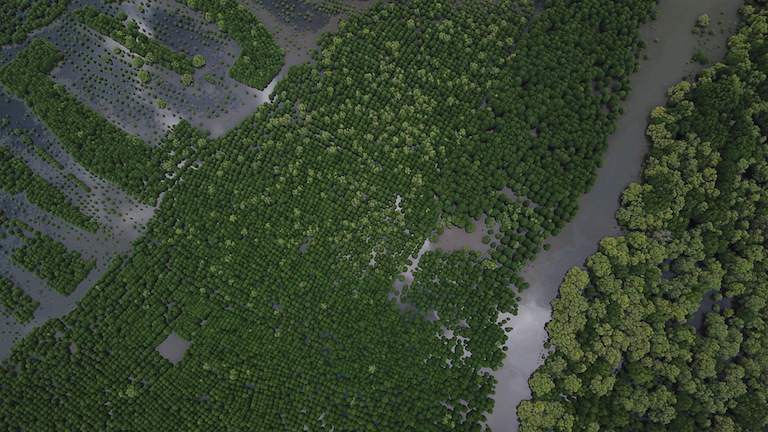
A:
(261, 58)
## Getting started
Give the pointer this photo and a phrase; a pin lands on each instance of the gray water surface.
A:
(668, 63)
(99, 73)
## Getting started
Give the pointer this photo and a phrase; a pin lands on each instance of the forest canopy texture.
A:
(275, 257)
(665, 329)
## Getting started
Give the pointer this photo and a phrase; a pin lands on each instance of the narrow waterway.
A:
(669, 62)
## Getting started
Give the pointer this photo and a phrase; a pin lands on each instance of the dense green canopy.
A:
(19, 17)
(134, 40)
(415, 116)
(94, 142)
(665, 329)
(98, 145)
(50, 260)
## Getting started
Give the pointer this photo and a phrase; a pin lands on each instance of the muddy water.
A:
(173, 348)
(668, 63)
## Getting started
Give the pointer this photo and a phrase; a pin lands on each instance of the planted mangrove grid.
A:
(16, 302)
(665, 328)
(277, 255)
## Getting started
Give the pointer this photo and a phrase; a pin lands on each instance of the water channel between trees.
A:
(122, 218)
(669, 61)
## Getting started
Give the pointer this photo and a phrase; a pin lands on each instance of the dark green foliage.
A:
(178, 149)
(14, 301)
(16, 177)
(261, 58)
(39, 150)
(79, 183)
(137, 42)
(94, 142)
(47, 157)
(19, 17)
(665, 330)
(276, 251)
(50, 260)
(198, 61)
(455, 286)
(700, 57)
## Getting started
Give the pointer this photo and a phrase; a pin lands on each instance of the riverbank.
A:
(669, 61)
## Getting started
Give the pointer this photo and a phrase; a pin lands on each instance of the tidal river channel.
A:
(669, 61)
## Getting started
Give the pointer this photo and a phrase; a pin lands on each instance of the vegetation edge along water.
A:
(665, 327)
(275, 257)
